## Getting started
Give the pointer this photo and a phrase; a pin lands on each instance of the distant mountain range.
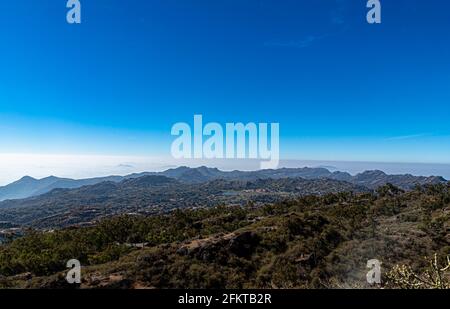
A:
(154, 194)
(29, 187)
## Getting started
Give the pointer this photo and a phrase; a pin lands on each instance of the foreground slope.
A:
(309, 242)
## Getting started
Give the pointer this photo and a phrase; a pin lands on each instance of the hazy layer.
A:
(15, 166)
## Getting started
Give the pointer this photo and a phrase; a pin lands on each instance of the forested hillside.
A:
(307, 242)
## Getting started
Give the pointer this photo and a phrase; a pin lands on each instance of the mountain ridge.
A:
(28, 186)
(154, 194)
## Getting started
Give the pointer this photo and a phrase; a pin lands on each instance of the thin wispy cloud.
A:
(407, 137)
(337, 15)
(337, 19)
(303, 43)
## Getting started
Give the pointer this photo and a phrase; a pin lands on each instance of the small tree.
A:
(434, 277)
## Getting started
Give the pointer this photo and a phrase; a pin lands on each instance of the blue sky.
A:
(340, 88)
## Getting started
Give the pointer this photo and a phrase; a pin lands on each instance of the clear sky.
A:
(340, 88)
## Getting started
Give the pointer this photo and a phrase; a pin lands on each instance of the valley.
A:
(311, 241)
(203, 228)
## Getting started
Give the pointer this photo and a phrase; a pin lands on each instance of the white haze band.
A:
(234, 146)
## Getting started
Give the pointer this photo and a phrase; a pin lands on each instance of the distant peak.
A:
(180, 168)
(205, 168)
(51, 177)
(373, 172)
(27, 178)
